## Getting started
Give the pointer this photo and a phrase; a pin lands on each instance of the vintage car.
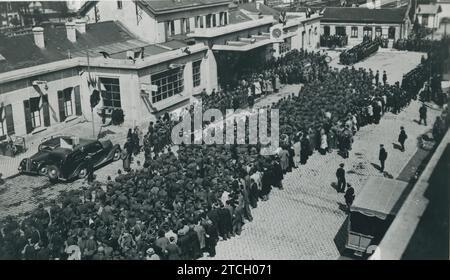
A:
(64, 157)
(372, 212)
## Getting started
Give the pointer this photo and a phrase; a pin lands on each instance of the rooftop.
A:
(262, 9)
(20, 51)
(165, 6)
(429, 9)
(364, 15)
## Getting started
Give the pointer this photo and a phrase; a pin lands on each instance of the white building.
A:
(428, 15)
(356, 23)
(48, 75)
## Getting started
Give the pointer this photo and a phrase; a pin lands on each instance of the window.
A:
(340, 30)
(354, 32)
(170, 28)
(225, 18)
(367, 31)
(391, 33)
(199, 22)
(119, 5)
(378, 31)
(326, 30)
(208, 21)
(185, 26)
(169, 83)
(222, 18)
(424, 20)
(35, 112)
(68, 103)
(214, 20)
(196, 72)
(188, 25)
(110, 90)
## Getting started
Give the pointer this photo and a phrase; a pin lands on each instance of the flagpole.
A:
(92, 108)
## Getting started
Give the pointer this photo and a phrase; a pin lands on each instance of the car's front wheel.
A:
(82, 173)
(117, 155)
(53, 173)
(43, 170)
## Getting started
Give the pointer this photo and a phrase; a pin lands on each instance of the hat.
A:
(150, 251)
(341, 165)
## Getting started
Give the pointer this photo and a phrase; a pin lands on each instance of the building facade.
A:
(428, 15)
(357, 23)
(47, 76)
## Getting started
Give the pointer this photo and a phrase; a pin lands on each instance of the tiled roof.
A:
(21, 52)
(364, 15)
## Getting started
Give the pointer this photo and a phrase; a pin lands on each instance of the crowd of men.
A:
(179, 205)
(419, 44)
(332, 41)
(359, 52)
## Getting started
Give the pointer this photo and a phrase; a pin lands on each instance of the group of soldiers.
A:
(359, 52)
(333, 41)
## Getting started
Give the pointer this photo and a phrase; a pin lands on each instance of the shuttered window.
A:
(9, 120)
(35, 111)
(76, 92)
(65, 103)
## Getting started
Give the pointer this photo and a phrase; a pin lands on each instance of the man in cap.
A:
(151, 255)
(340, 175)
(349, 196)
(382, 157)
(423, 114)
(402, 138)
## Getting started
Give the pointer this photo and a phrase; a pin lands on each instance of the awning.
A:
(380, 197)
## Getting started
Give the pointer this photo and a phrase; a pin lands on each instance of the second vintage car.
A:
(67, 157)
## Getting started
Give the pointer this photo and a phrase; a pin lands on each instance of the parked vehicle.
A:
(372, 213)
(64, 157)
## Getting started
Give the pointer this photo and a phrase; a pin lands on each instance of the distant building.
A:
(356, 23)
(428, 15)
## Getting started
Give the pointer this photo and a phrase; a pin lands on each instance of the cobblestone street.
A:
(304, 221)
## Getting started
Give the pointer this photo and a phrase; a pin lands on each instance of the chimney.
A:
(38, 33)
(80, 26)
(71, 32)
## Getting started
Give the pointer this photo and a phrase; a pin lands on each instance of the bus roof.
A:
(380, 197)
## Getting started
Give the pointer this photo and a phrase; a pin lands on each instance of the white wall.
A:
(147, 29)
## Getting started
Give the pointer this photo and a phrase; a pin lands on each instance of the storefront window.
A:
(169, 83)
